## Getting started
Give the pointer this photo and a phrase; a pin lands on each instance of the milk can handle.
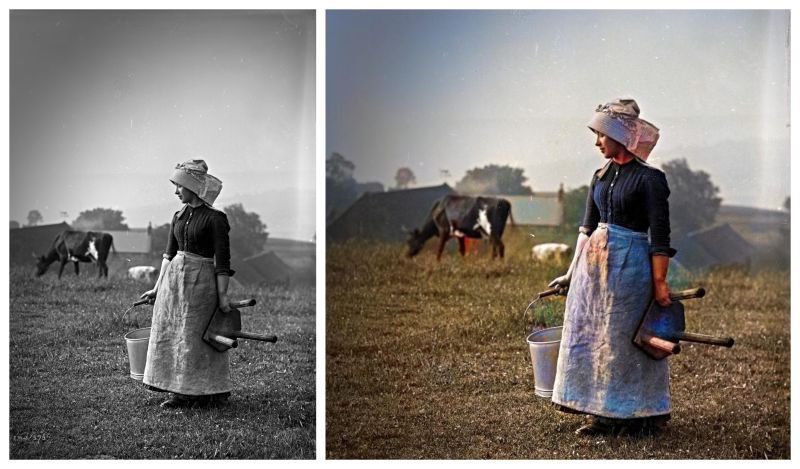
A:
(698, 292)
(552, 291)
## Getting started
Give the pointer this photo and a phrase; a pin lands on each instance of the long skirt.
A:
(600, 371)
(178, 360)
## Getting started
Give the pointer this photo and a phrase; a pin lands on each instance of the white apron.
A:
(178, 360)
(600, 371)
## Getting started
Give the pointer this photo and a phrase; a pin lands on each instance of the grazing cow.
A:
(75, 247)
(145, 273)
(463, 217)
(545, 251)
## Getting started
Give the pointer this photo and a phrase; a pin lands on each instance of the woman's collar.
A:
(187, 206)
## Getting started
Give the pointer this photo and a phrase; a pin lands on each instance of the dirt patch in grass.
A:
(71, 396)
(428, 360)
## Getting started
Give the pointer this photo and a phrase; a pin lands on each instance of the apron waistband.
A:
(621, 230)
(195, 257)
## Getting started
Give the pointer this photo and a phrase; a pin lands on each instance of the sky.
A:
(104, 104)
(454, 90)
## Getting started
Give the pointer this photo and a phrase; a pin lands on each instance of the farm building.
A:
(135, 240)
(364, 187)
(381, 216)
(713, 247)
(538, 209)
(761, 227)
(283, 261)
(33, 240)
(300, 256)
(265, 268)
(334, 209)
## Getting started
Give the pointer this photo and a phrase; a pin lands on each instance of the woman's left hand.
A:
(224, 303)
(661, 293)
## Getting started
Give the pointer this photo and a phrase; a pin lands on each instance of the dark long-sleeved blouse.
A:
(203, 231)
(633, 195)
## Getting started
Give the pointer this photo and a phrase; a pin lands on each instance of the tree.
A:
(494, 179)
(341, 189)
(575, 206)
(787, 204)
(34, 218)
(404, 178)
(338, 168)
(248, 233)
(693, 200)
(14, 224)
(100, 219)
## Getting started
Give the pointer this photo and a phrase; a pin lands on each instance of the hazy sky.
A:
(103, 104)
(436, 90)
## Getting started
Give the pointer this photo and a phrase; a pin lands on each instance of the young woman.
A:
(192, 284)
(616, 271)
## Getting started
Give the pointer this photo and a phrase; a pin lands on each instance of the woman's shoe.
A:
(172, 403)
(596, 426)
(175, 401)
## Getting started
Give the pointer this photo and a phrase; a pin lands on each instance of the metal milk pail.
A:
(137, 351)
(544, 346)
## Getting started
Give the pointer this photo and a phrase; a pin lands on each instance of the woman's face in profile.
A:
(607, 145)
(184, 194)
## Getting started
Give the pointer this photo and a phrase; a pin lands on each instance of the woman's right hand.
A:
(149, 294)
(561, 282)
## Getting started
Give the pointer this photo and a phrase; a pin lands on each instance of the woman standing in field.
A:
(615, 273)
(192, 284)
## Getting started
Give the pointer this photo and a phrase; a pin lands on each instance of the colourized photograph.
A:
(557, 234)
(162, 238)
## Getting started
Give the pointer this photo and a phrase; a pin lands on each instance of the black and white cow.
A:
(77, 246)
(463, 217)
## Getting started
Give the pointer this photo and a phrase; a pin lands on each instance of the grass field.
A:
(428, 360)
(71, 395)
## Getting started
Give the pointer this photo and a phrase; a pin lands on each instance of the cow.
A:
(145, 273)
(546, 251)
(462, 217)
(75, 247)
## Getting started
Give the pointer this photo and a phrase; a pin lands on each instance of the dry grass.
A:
(428, 360)
(71, 396)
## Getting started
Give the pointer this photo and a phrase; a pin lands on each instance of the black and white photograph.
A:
(162, 203)
(557, 234)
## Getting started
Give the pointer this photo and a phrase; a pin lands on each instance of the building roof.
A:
(382, 216)
(33, 239)
(263, 269)
(717, 246)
